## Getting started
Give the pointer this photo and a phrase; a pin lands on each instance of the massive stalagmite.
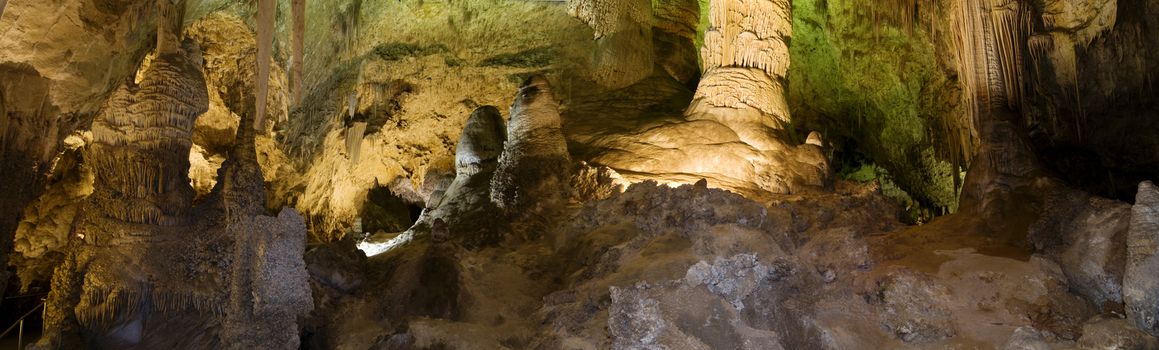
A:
(733, 132)
(535, 165)
(146, 269)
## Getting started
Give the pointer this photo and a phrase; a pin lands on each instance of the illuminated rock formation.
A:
(481, 143)
(535, 166)
(623, 35)
(147, 269)
(732, 133)
(465, 207)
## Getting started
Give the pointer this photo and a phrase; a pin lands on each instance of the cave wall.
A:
(1090, 105)
(52, 83)
(880, 84)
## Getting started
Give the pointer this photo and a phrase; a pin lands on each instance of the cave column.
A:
(745, 61)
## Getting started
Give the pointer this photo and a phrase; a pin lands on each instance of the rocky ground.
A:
(691, 267)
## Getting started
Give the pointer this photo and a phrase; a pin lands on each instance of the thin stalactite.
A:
(298, 7)
(267, 10)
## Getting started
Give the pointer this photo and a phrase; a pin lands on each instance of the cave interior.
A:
(579, 174)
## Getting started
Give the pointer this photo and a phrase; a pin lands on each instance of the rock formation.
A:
(147, 269)
(623, 35)
(298, 11)
(481, 143)
(1142, 276)
(639, 196)
(267, 13)
(466, 202)
(732, 133)
(535, 166)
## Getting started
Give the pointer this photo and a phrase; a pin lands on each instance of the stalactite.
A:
(1010, 24)
(354, 140)
(267, 10)
(899, 13)
(988, 38)
(298, 7)
(170, 19)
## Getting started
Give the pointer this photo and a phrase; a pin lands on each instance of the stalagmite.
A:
(1142, 276)
(298, 7)
(481, 142)
(267, 9)
(732, 133)
(534, 166)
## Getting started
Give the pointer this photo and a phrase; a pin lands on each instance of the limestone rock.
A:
(270, 287)
(623, 34)
(1103, 332)
(1091, 236)
(141, 140)
(1141, 282)
(914, 311)
(464, 205)
(736, 278)
(1026, 338)
(595, 182)
(732, 133)
(634, 320)
(534, 167)
(481, 142)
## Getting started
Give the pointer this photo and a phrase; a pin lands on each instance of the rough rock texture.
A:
(535, 167)
(595, 182)
(693, 267)
(48, 222)
(60, 61)
(623, 39)
(148, 269)
(913, 312)
(1114, 333)
(269, 287)
(1026, 338)
(466, 207)
(1089, 104)
(1141, 282)
(1087, 236)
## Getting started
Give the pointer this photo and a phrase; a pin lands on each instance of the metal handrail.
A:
(20, 322)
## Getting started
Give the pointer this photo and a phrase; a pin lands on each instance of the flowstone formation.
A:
(146, 269)
(734, 131)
